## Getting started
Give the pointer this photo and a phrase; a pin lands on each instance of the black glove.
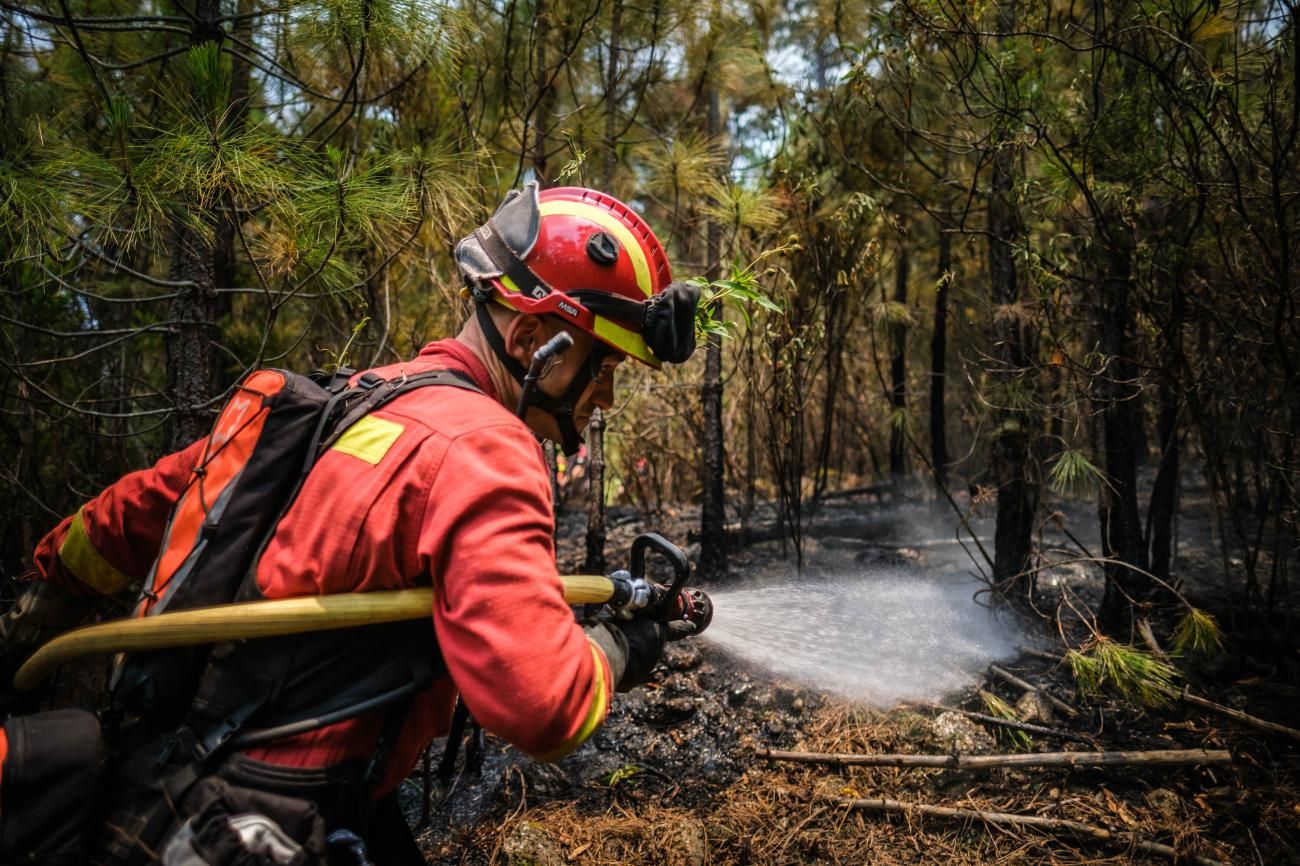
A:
(42, 611)
(632, 646)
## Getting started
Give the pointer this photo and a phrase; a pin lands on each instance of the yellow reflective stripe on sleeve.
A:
(627, 341)
(87, 563)
(614, 226)
(595, 713)
(369, 439)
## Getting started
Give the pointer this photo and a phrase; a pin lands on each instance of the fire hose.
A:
(628, 593)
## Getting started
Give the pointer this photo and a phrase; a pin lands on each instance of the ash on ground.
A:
(685, 735)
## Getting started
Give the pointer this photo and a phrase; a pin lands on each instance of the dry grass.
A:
(782, 814)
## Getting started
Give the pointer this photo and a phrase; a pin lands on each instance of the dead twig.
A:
(1041, 654)
(1244, 718)
(1076, 827)
(1149, 638)
(1021, 684)
(1028, 727)
(1155, 758)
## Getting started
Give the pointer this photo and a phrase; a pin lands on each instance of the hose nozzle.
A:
(686, 610)
(691, 606)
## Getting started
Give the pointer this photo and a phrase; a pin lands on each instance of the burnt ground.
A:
(672, 777)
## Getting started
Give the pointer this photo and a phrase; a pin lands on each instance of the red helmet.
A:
(585, 257)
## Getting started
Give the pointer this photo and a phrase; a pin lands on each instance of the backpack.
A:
(178, 716)
(266, 440)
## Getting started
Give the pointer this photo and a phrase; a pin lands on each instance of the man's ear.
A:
(524, 336)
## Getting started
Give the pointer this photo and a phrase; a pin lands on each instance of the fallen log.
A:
(1155, 758)
(1186, 696)
(1076, 827)
(1029, 687)
(836, 541)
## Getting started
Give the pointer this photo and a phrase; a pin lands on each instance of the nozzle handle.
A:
(671, 552)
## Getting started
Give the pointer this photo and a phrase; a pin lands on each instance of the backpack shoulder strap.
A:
(377, 392)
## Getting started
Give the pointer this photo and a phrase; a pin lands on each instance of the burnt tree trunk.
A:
(545, 94)
(713, 513)
(1164, 492)
(224, 256)
(188, 343)
(939, 367)
(1016, 500)
(594, 563)
(898, 368)
(1116, 386)
(595, 559)
(835, 321)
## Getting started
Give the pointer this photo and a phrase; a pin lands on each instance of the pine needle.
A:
(742, 207)
(1074, 475)
(1198, 634)
(1134, 673)
(892, 318)
(995, 706)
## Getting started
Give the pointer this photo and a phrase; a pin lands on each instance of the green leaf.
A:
(739, 290)
(622, 774)
(210, 72)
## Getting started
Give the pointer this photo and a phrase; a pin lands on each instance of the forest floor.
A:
(673, 778)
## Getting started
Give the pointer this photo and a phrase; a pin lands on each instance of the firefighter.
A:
(442, 487)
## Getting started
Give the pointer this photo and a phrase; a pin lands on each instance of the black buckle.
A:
(218, 738)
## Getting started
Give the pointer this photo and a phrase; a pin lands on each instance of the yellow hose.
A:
(254, 619)
(587, 588)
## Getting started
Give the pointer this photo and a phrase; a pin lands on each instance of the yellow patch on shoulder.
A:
(369, 439)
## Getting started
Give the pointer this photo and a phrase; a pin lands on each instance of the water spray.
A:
(882, 635)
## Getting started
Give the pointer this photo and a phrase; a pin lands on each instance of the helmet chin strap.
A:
(560, 408)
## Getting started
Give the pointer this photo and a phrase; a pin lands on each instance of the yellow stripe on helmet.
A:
(627, 341)
(614, 226)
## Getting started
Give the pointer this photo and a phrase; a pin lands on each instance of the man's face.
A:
(560, 373)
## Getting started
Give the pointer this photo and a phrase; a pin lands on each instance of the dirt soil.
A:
(672, 778)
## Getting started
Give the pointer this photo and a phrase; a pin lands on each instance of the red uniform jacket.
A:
(441, 487)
